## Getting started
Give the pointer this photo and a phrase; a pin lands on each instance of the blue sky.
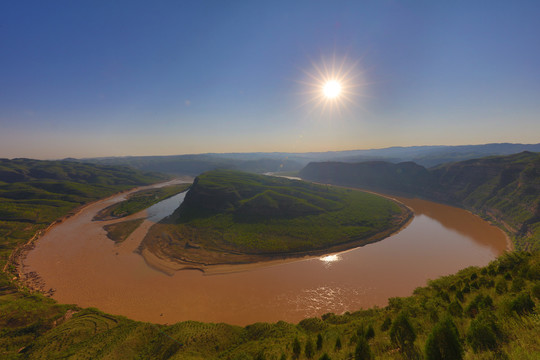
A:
(105, 78)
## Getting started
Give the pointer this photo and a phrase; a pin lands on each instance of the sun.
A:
(332, 84)
(332, 89)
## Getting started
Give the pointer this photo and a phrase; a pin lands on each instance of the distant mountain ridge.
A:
(505, 189)
(261, 162)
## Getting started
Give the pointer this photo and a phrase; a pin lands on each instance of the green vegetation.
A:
(119, 232)
(478, 313)
(443, 342)
(33, 327)
(198, 163)
(502, 189)
(230, 211)
(34, 193)
(139, 201)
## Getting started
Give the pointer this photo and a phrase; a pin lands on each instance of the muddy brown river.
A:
(78, 261)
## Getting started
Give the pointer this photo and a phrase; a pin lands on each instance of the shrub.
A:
(455, 309)
(402, 333)
(309, 350)
(501, 287)
(258, 330)
(484, 333)
(319, 342)
(479, 302)
(536, 291)
(517, 285)
(312, 324)
(370, 332)
(296, 348)
(534, 272)
(443, 342)
(362, 351)
(444, 295)
(338, 344)
(386, 324)
(459, 295)
(325, 357)
(522, 304)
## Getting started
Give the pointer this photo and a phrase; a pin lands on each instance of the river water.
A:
(78, 261)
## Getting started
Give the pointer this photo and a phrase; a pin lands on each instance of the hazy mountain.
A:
(261, 162)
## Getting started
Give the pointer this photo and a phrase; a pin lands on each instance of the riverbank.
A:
(223, 262)
(32, 279)
(86, 268)
(234, 218)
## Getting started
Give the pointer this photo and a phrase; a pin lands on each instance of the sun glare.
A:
(332, 89)
(333, 84)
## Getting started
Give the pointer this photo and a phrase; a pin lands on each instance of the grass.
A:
(139, 201)
(254, 214)
(119, 232)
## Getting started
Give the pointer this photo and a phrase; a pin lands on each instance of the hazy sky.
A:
(99, 78)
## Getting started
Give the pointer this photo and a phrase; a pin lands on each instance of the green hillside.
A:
(478, 313)
(503, 189)
(35, 193)
(234, 212)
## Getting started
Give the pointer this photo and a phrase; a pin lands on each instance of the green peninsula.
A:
(231, 217)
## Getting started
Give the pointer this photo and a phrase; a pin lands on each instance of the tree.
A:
(296, 348)
(338, 344)
(402, 333)
(484, 333)
(370, 332)
(260, 355)
(443, 342)
(309, 350)
(386, 324)
(522, 304)
(319, 342)
(362, 351)
(501, 287)
(325, 357)
(455, 309)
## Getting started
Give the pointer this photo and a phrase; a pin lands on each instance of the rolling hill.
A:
(503, 189)
(235, 217)
(478, 313)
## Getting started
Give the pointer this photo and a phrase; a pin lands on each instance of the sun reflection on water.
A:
(329, 259)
